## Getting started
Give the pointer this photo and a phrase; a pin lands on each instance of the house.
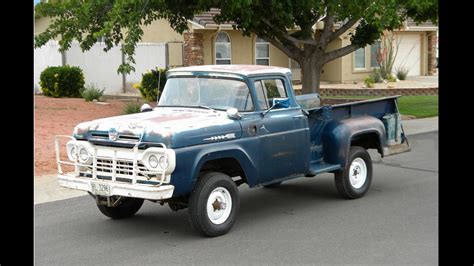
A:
(208, 43)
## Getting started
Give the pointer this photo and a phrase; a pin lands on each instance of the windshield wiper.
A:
(202, 107)
(190, 106)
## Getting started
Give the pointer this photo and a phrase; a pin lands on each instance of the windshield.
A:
(217, 93)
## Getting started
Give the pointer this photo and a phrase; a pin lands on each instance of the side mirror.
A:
(233, 113)
(277, 104)
(146, 108)
(281, 103)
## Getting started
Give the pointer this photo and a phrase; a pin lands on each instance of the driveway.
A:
(302, 222)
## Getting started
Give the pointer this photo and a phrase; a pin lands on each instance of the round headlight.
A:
(163, 163)
(73, 153)
(153, 161)
(83, 155)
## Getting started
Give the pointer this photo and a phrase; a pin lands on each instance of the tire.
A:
(274, 185)
(203, 215)
(126, 208)
(354, 185)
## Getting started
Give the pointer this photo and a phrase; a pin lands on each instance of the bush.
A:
(402, 73)
(91, 92)
(62, 81)
(148, 87)
(132, 108)
(391, 78)
(377, 76)
(369, 82)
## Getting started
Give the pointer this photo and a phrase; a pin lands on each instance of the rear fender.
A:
(338, 135)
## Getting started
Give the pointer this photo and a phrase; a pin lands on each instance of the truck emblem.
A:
(113, 134)
(222, 137)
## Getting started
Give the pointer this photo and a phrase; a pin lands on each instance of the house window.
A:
(359, 58)
(223, 49)
(262, 52)
(374, 50)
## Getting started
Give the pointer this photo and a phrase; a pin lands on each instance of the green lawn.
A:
(419, 106)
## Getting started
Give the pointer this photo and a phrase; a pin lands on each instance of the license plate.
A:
(100, 189)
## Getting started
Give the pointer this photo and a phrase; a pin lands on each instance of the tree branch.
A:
(340, 52)
(285, 35)
(343, 29)
(288, 51)
(328, 26)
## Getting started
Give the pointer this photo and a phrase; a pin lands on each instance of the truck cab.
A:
(217, 127)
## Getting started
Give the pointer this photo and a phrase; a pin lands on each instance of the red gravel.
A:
(59, 116)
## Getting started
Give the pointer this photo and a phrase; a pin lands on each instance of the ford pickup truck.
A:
(217, 127)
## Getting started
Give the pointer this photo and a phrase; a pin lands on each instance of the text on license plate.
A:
(100, 189)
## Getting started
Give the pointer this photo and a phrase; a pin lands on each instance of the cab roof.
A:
(244, 70)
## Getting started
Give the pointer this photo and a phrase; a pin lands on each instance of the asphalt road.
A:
(303, 221)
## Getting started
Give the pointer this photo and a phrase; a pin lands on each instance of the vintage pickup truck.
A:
(218, 127)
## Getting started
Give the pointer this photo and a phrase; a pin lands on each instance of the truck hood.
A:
(173, 126)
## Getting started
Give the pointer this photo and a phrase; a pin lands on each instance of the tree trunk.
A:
(311, 74)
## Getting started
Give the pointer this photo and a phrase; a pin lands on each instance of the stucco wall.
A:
(243, 49)
(349, 74)
(160, 31)
(332, 70)
(41, 24)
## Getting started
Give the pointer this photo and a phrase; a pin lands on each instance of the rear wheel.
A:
(214, 204)
(126, 207)
(354, 181)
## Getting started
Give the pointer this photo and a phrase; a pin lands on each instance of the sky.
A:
(36, 1)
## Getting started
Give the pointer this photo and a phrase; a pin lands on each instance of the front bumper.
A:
(118, 189)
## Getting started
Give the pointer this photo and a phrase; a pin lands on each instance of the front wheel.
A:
(127, 207)
(354, 180)
(214, 204)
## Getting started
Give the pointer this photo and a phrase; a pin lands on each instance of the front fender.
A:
(190, 160)
(337, 136)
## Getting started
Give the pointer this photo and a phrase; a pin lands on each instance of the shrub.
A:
(148, 87)
(91, 92)
(377, 76)
(402, 73)
(391, 78)
(62, 81)
(132, 108)
(369, 82)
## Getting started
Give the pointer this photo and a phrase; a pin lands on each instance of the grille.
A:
(125, 137)
(123, 168)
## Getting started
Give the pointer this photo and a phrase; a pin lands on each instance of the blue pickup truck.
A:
(216, 128)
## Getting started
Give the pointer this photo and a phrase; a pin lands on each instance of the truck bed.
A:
(320, 116)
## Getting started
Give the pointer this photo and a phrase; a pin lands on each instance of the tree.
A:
(292, 26)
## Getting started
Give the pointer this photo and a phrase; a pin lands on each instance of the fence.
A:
(99, 67)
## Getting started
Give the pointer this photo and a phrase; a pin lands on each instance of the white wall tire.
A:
(213, 204)
(354, 180)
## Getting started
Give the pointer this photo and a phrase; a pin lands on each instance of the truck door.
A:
(283, 133)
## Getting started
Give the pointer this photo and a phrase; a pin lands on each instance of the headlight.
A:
(153, 161)
(83, 155)
(73, 154)
(163, 163)
(79, 149)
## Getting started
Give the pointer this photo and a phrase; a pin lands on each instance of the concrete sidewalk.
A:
(47, 188)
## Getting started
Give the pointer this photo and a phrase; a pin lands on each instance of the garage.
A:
(409, 53)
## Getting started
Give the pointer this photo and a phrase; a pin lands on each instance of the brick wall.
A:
(375, 92)
(193, 51)
(432, 53)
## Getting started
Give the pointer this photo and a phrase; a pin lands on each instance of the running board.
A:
(319, 168)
